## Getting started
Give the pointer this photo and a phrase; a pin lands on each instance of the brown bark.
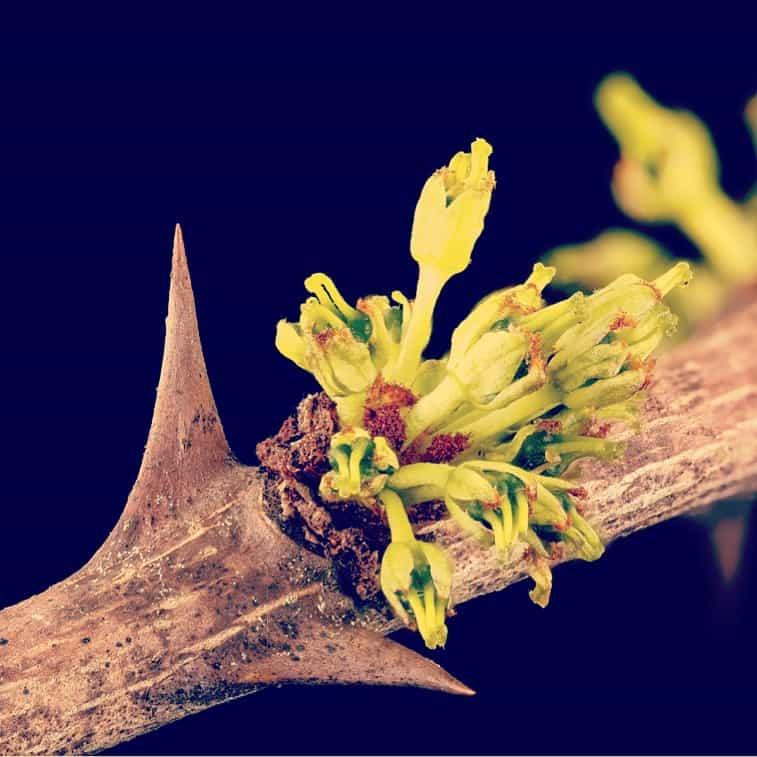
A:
(196, 597)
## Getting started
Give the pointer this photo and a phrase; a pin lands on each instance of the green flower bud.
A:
(341, 363)
(468, 496)
(448, 220)
(290, 344)
(429, 376)
(488, 349)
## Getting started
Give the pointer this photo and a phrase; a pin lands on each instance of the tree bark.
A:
(196, 597)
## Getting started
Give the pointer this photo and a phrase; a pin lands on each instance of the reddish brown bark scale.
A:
(350, 534)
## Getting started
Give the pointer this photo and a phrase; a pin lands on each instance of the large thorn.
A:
(186, 445)
(350, 655)
(368, 657)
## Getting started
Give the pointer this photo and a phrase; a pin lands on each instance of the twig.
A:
(196, 597)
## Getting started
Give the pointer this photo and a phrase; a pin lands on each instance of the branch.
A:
(197, 597)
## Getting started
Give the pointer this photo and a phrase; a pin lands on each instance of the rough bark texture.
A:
(198, 597)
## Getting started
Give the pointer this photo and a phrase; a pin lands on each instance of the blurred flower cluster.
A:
(490, 428)
(668, 173)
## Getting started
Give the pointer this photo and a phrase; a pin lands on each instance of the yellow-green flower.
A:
(595, 355)
(360, 464)
(330, 340)
(541, 573)
(486, 352)
(449, 218)
(554, 449)
(416, 577)
(385, 322)
(596, 263)
(330, 298)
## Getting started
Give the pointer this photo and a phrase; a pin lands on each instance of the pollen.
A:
(383, 411)
(384, 393)
(549, 425)
(535, 354)
(386, 421)
(444, 448)
(579, 491)
(597, 429)
(623, 321)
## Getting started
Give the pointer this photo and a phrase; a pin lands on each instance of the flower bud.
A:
(487, 350)
(331, 298)
(416, 581)
(553, 452)
(290, 344)
(341, 363)
(586, 542)
(467, 497)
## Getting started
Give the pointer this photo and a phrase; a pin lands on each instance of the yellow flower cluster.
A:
(491, 428)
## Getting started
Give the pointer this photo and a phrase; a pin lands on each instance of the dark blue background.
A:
(283, 149)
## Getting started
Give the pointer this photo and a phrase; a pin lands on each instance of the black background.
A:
(285, 148)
